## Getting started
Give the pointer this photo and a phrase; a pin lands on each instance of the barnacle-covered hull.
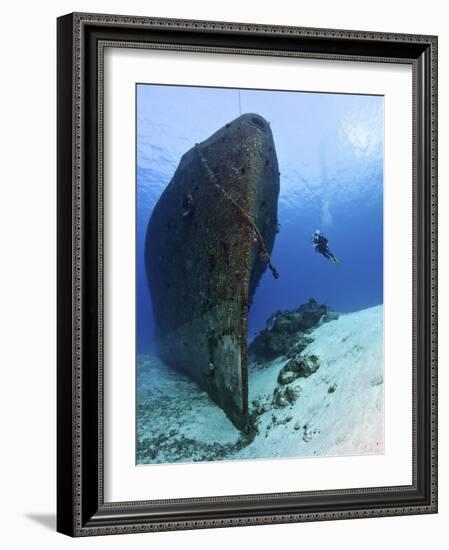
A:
(208, 242)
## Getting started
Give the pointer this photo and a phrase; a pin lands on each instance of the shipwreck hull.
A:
(207, 245)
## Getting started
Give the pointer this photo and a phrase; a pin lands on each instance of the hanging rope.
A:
(264, 252)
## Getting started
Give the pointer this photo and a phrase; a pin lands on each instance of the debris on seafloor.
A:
(301, 404)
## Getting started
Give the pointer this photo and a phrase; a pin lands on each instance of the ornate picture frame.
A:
(82, 509)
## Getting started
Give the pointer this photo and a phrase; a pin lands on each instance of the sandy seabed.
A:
(336, 411)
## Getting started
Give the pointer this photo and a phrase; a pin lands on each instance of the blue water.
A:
(330, 153)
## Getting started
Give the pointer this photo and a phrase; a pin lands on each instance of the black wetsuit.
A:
(321, 246)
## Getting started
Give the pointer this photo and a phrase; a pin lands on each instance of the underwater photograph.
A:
(259, 274)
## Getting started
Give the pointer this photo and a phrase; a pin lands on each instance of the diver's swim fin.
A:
(335, 260)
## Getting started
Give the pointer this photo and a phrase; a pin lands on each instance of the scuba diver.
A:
(320, 245)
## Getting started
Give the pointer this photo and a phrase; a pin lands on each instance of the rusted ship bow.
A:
(208, 242)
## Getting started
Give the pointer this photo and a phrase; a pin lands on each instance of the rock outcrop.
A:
(285, 332)
(300, 366)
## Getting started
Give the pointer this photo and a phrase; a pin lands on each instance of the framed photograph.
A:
(247, 280)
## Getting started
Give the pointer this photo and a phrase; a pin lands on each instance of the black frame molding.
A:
(81, 510)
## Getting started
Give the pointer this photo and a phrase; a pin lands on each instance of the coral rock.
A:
(285, 330)
(299, 366)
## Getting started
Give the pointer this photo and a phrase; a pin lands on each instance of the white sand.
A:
(349, 420)
(339, 410)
